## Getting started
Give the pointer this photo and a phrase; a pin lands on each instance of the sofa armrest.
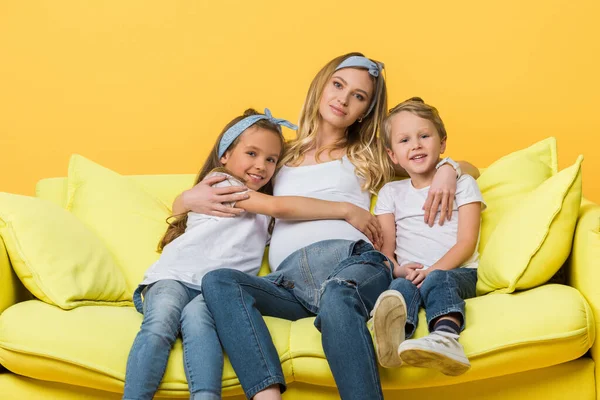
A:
(583, 265)
(12, 290)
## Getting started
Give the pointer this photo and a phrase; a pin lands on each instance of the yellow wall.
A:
(142, 86)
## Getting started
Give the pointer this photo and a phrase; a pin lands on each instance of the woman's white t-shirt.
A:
(334, 181)
(211, 243)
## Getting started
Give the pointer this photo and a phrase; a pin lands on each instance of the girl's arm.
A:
(388, 247)
(442, 191)
(205, 199)
(306, 208)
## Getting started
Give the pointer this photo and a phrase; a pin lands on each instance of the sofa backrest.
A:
(164, 187)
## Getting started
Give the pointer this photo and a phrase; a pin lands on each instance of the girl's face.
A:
(416, 144)
(346, 97)
(254, 157)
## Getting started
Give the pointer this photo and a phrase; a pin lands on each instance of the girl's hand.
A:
(441, 195)
(365, 222)
(205, 199)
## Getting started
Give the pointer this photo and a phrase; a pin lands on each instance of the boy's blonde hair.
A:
(416, 106)
(363, 148)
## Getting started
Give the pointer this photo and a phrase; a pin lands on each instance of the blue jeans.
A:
(442, 293)
(170, 307)
(336, 280)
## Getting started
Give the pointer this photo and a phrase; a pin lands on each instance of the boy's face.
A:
(416, 144)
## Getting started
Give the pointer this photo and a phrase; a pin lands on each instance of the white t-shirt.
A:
(415, 240)
(333, 181)
(211, 243)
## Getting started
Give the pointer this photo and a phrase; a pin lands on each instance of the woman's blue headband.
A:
(236, 130)
(373, 67)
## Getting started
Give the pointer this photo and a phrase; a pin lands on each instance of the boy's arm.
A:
(469, 219)
(388, 247)
(306, 208)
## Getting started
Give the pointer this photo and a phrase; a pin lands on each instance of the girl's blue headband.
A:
(374, 69)
(236, 130)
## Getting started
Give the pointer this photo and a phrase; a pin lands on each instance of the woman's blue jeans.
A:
(170, 307)
(336, 280)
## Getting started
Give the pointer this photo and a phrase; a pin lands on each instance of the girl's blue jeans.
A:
(336, 280)
(171, 307)
(442, 293)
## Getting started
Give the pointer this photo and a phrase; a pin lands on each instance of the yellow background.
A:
(145, 86)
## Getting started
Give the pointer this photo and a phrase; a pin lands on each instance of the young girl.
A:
(247, 150)
(434, 267)
(336, 156)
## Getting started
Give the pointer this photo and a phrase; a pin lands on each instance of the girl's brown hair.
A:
(416, 106)
(363, 148)
(177, 223)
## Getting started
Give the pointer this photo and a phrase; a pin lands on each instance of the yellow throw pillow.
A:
(127, 219)
(56, 257)
(533, 240)
(510, 179)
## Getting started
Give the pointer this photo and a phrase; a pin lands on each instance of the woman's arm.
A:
(469, 169)
(205, 199)
(442, 191)
(388, 247)
(306, 208)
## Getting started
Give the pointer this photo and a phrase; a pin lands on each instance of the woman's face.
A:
(346, 97)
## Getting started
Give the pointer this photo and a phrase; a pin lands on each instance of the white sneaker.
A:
(387, 325)
(439, 350)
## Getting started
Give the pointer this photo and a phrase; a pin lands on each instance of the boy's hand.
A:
(415, 273)
(398, 271)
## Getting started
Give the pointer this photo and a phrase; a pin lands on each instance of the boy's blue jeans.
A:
(442, 293)
(336, 280)
(170, 307)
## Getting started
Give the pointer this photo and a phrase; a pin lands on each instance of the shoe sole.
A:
(429, 359)
(389, 320)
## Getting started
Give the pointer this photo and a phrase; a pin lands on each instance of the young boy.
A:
(435, 267)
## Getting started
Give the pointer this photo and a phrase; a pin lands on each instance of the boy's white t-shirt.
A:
(334, 181)
(415, 240)
(211, 243)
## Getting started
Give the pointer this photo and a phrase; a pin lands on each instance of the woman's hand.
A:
(441, 195)
(205, 199)
(365, 222)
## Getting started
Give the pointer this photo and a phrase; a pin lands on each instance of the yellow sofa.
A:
(538, 343)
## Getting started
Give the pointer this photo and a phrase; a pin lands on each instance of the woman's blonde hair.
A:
(177, 223)
(363, 146)
(416, 106)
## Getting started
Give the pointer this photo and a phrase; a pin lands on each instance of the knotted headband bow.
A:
(237, 129)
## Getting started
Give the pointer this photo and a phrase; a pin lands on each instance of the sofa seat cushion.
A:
(506, 334)
(88, 346)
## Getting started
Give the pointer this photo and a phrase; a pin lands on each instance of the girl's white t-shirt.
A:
(211, 243)
(333, 181)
